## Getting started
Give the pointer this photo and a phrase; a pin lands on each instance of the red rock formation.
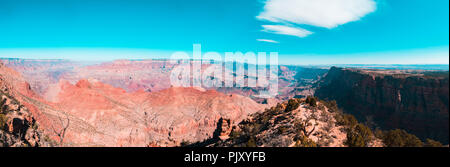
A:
(40, 73)
(20, 127)
(108, 116)
(99, 114)
(114, 95)
(147, 75)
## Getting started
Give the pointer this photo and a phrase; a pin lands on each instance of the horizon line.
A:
(421, 56)
(121, 59)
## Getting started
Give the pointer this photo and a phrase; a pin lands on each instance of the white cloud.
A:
(286, 30)
(319, 13)
(267, 40)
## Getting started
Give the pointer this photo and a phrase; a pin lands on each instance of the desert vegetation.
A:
(401, 138)
(287, 124)
(281, 126)
(2, 121)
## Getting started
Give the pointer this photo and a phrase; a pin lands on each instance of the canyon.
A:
(146, 75)
(98, 114)
(132, 103)
(417, 101)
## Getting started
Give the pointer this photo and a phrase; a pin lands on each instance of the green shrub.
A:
(432, 143)
(265, 117)
(304, 141)
(346, 120)
(3, 120)
(359, 136)
(185, 143)
(292, 105)
(378, 133)
(331, 105)
(234, 134)
(251, 142)
(354, 140)
(401, 138)
(312, 101)
(277, 109)
(321, 106)
(282, 130)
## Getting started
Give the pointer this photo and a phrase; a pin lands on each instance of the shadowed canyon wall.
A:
(417, 103)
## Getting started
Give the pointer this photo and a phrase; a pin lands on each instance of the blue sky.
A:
(302, 31)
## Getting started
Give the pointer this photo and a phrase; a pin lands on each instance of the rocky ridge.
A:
(293, 123)
(18, 127)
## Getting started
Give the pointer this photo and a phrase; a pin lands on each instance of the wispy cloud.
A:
(319, 13)
(286, 30)
(267, 40)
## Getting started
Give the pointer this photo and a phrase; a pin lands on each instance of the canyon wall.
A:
(415, 102)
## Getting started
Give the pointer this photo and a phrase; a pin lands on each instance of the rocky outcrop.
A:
(415, 101)
(224, 127)
(18, 127)
(283, 126)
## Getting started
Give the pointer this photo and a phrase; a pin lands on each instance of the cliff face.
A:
(415, 102)
(18, 126)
